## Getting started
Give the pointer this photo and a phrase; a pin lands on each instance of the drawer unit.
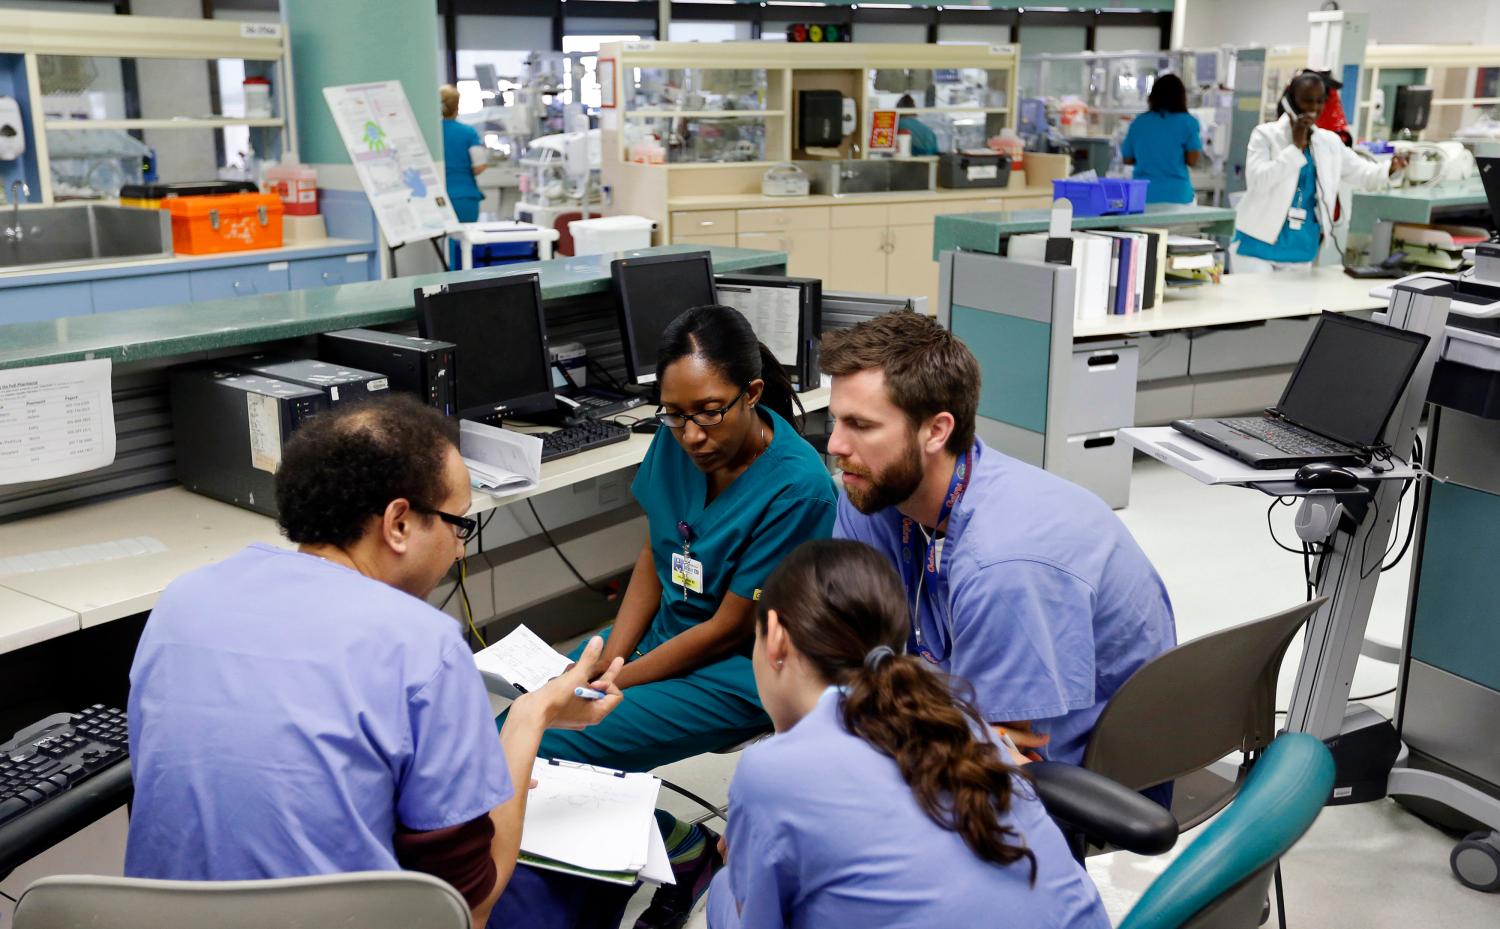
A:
(707, 240)
(130, 293)
(1101, 389)
(702, 222)
(1162, 356)
(925, 211)
(779, 218)
(244, 281)
(1098, 461)
(1238, 348)
(329, 272)
(45, 301)
(1028, 203)
(864, 215)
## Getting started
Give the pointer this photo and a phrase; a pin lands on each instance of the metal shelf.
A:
(216, 122)
(701, 114)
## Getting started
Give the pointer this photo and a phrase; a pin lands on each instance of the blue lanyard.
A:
(929, 573)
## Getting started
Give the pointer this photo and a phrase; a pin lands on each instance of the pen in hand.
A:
(589, 693)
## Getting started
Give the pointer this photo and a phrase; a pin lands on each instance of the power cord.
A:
(552, 542)
(463, 574)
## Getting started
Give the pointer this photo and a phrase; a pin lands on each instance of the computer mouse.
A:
(1322, 474)
(647, 426)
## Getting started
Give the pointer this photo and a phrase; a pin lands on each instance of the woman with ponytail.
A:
(882, 801)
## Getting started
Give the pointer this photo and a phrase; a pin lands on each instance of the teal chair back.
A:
(1283, 794)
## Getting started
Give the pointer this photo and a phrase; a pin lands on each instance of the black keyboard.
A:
(49, 757)
(1286, 438)
(581, 438)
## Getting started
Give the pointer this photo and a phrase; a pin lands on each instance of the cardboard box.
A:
(1042, 170)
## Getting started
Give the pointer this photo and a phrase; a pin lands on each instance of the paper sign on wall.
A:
(55, 420)
(883, 131)
(390, 156)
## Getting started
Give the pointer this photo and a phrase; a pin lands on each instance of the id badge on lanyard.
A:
(926, 572)
(687, 572)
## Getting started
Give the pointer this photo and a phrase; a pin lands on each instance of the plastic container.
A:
(228, 223)
(610, 234)
(150, 196)
(297, 186)
(257, 98)
(1106, 196)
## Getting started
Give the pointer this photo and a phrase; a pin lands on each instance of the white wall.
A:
(1284, 22)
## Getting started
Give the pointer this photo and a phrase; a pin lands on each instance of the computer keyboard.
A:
(581, 438)
(1289, 439)
(48, 757)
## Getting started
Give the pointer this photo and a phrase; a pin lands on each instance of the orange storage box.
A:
(224, 223)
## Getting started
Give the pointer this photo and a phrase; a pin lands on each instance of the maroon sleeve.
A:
(458, 854)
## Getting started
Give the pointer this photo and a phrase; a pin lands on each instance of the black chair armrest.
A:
(35, 831)
(1104, 810)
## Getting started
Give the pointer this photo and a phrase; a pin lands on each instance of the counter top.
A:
(133, 267)
(157, 332)
(753, 201)
(1413, 204)
(982, 232)
(1241, 298)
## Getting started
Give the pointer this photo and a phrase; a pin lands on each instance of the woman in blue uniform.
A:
(881, 801)
(729, 488)
(1164, 142)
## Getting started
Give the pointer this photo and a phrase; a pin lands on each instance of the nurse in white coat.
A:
(1293, 172)
(882, 800)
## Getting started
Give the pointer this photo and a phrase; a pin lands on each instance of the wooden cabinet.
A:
(705, 240)
(807, 250)
(910, 270)
(858, 260)
(782, 218)
(698, 223)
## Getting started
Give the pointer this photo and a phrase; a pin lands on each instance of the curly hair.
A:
(346, 465)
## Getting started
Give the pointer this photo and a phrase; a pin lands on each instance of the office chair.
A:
(364, 900)
(711, 810)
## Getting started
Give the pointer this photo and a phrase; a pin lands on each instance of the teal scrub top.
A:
(458, 169)
(923, 139)
(1292, 246)
(783, 499)
(1159, 143)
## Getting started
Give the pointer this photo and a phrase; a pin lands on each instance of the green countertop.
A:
(982, 232)
(159, 332)
(1413, 204)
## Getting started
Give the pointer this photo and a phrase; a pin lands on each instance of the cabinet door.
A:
(240, 281)
(858, 260)
(910, 271)
(329, 272)
(129, 293)
(807, 250)
(45, 301)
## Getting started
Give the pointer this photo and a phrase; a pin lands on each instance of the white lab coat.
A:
(1271, 168)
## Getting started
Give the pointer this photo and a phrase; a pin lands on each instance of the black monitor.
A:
(500, 331)
(652, 291)
(1489, 173)
(1411, 109)
(1350, 377)
(786, 313)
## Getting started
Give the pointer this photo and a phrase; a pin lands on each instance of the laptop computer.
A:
(1350, 377)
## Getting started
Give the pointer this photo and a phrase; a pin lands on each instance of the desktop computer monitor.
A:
(500, 331)
(1412, 106)
(786, 314)
(652, 291)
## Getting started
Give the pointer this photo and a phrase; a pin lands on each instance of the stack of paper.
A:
(519, 663)
(1192, 260)
(500, 461)
(594, 822)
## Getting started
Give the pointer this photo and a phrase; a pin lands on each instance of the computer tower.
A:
(341, 384)
(425, 367)
(229, 428)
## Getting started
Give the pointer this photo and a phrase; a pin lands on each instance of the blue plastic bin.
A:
(1103, 197)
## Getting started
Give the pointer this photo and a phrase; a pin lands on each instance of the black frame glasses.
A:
(463, 527)
(703, 419)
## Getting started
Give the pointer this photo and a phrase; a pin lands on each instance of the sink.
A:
(876, 175)
(73, 235)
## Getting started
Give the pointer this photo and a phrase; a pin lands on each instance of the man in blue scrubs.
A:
(298, 712)
(1020, 582)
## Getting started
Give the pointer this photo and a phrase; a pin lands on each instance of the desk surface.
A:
(167, 331)
(1241, 298)
(983, 232)
(193, 531)
(1413, 204)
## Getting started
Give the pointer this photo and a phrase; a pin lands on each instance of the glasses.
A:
(463, 526)
(705, 418)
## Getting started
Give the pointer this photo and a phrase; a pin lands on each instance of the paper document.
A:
(519, 663)
(773, 313)
(500, 461)
(55, 420)
(590, 818)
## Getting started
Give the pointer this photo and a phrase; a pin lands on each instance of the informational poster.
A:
(883, 131)
(391, 158)
(55, 420)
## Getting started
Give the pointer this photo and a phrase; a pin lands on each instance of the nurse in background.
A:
(923, 140)
(1164, 142)
(882, 800)
(464, 158)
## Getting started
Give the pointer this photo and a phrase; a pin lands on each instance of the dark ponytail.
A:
(724, 338)
(845, 610)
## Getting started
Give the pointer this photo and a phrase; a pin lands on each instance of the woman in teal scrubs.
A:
(1164, 143)
(728, 487)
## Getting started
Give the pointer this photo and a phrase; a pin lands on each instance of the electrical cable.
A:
(463, 574)
(550, 541)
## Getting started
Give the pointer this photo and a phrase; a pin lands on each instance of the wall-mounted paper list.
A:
(55, 420)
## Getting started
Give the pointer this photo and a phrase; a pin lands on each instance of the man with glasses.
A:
(297, 712)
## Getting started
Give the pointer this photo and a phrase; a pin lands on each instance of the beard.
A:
(890, 487)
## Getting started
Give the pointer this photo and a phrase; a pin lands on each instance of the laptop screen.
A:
(1350, 377)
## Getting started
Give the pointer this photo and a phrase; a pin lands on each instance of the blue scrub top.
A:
(458, 169)
(1159, 142)
(823, 831)
(1292, 246)
(287, 714)
(783, 499)
(1045, 604)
